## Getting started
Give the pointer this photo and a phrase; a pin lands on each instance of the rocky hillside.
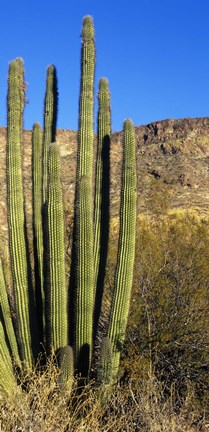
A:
(175, 153)
(172, 162)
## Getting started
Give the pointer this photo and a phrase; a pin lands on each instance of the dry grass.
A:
(136, 406)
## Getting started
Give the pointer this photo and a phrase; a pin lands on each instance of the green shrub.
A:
(168, 334)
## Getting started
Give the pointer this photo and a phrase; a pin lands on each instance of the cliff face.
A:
(172, 163)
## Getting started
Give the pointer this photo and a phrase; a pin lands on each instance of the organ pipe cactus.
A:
(90, 236)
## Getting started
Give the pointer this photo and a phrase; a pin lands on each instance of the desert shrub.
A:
(168, 332)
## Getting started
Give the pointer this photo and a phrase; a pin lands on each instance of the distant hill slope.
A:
(172, 163)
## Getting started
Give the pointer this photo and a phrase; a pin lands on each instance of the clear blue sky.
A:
(155, 54)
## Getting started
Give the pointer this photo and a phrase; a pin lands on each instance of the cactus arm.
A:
(106, 361)
(56, 294)
(84, 278)
(66, 363)
(4, 305)
(50, 120)
(37, 223)
(126, 249)
(16, 220)
(100, 198)
(7, 377)
(83, 202)
(86, 102)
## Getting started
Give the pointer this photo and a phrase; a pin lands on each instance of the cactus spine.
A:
(83, 214)
(126, 249)
(50, 120)
(37, 221)
(16, 220)
(56, 306)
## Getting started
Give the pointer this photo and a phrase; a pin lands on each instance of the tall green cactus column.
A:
(50, 120)
(101, 196)
(103, 144)
(84, 277)
(7, 318)
(7, 377)
(56, 293)
(84, 203)
(16, 220)
(37, 169)
(86, 102)
(126, 250)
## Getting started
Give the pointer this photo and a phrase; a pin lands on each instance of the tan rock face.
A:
(172, 157)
